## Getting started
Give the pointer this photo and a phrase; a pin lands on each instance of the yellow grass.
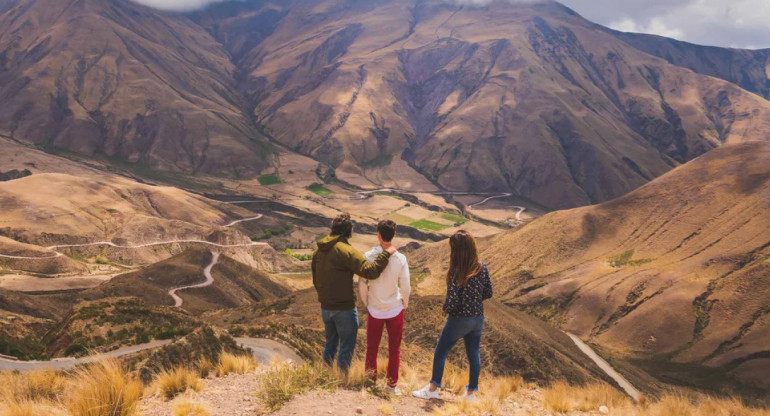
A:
(103, 389)
(385, 410)
(483, 406)
(172, 382)
(500, 388)
(282, 382)
(204, 367)
(30, 387)
(187, 408)
(561, 397)
(238, 364)
(679, 405)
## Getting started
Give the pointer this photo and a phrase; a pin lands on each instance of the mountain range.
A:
(530, 99)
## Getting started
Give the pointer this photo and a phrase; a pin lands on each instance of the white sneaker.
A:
(394, 391)
(425, 393)
(469, 396)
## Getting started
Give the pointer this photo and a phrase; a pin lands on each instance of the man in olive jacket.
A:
(334, 264)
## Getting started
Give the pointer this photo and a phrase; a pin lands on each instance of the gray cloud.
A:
(730, 23)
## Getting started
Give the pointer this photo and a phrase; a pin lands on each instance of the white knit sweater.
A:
(391, 290)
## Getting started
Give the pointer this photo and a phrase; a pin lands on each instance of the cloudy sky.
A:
(732, 23)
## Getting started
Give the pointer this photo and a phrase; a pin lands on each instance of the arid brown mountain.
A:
(527, 98)
(675, 272)
(113, 79)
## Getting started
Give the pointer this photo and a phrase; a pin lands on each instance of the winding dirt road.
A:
(264, 350)
(606, 367)
(56, 254)
(209, 281)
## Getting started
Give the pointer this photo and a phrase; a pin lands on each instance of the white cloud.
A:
(177, 5)
(731, 23)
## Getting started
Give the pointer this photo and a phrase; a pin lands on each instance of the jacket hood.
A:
(328, 242)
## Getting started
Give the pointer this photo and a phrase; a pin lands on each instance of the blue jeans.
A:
(469, 329)
(341, 329)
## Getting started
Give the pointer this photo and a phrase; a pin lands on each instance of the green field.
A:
(319, 189)
(455, 218)
(265, 180)
(427, 225)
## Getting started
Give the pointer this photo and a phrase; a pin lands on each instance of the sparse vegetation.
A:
(172, 382)
(562, 397)
(238, 364)
(102, 260)
(303, 257)
(319, 189)
(266, 180)
(626, 259)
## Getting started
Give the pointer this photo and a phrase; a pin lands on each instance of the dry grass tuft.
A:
(204, 366)
(25, 408)
(282, 382)
(501, 388)
(679, 405)
(179, 380)
(485, 405)
(238, 364)
(187, 408)
(385, 410)
(31, 387)
(103, 389)
(562, 397)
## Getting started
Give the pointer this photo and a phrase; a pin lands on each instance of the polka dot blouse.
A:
(468, 301)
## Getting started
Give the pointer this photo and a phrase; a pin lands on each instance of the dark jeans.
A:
(469, 329)
(341, 330)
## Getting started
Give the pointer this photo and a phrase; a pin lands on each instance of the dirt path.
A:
(606, 367)
(56, 254)
(65, 363)
(206, 273)
(265, 350)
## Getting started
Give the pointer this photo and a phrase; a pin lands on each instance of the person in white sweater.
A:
(386, 300)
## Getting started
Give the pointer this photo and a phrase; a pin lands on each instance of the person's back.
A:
(333, 266)
(391, 290)
(386, 300)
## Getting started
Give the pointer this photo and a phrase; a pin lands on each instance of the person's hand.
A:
(391, 250)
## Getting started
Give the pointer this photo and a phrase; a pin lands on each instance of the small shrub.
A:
(204, 367)
(101, 260)
(238, 364)
(176, 381)
(283, 382)
(103, 389)
(190, 409)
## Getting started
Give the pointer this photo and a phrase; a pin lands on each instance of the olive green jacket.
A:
(334, 264)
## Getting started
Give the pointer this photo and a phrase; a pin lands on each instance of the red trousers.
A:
(374, 329)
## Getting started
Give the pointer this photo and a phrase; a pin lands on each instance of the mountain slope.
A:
(675, 271)
(524, 98)
(534, 100)
(112, 78)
